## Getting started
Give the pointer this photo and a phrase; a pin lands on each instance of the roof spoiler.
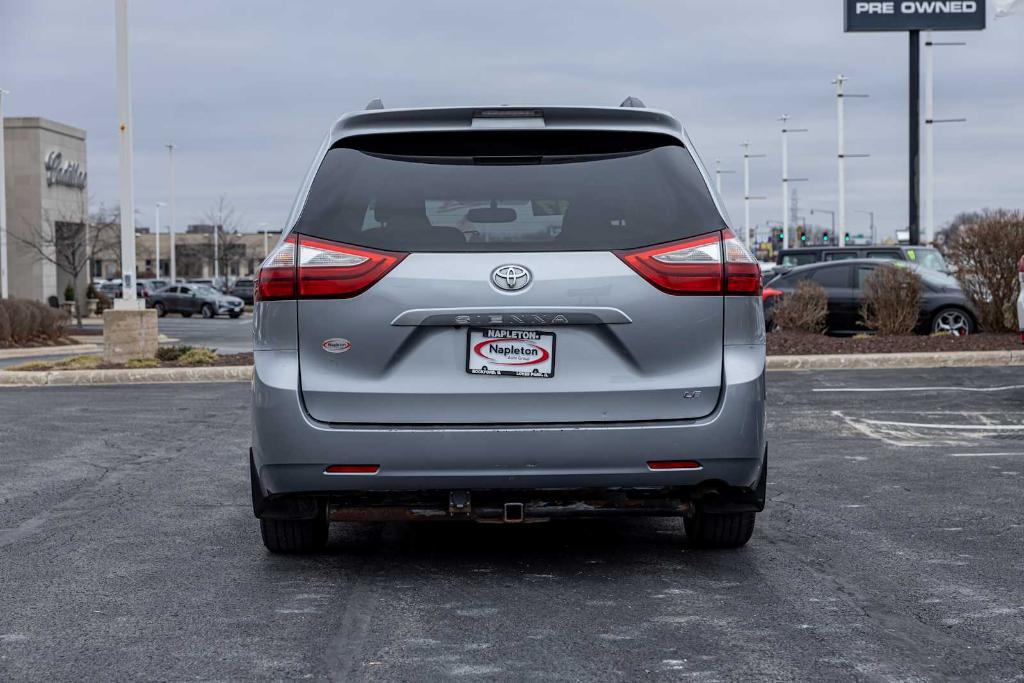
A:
(375, 103)
(635, 102)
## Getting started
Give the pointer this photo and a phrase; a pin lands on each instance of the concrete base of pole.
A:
(129, 333)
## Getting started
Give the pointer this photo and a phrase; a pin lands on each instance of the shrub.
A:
(22, 320)
(804, 310)
(985, 255)
(197, 357)
(69, 292)
(892, 298)
(171, 353)
(141, 363)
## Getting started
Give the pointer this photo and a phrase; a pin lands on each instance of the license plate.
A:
(518, 353)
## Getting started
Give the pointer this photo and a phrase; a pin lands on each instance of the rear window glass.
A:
(465, 192)
(832, 277)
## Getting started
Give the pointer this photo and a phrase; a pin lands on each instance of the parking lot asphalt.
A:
(891, 549)
(225, 334)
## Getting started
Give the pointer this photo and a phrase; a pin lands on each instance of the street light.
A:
(128, 300)
(872, 214)
(4, 292)
(173, 264)
(786, 180)
(830, 213)
(157, 231)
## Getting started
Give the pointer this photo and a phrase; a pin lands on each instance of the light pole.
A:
(128, 300)
(872, 215)
(830, 213)
(173, 264)
(4, 291)
(929, 136)
(157, 231)
(786, 180)
(748, 239)
(718, 175)
(842, 156)
(266, 241)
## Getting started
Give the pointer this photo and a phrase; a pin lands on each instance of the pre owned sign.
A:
(915, 15)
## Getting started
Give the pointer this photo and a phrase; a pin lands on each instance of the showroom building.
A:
(47, 205)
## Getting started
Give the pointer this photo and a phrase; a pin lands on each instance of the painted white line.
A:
(981, 455)
(922, 425)
(887, 389)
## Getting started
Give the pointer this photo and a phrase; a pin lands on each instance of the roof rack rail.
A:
(633, 102)
(375, 103)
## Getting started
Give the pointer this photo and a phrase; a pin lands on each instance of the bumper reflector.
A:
(352, 469)
(673, 464)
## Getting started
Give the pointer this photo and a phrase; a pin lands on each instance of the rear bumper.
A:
(290, 450)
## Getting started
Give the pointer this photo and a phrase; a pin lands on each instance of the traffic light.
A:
(846, 238)
(825, 238)
(780, 236)
(803, 236)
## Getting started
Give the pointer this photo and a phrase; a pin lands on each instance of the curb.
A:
(243, 373)
(236, 373)
(883, 361)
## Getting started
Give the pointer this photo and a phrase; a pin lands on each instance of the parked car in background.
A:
(430, 267)
(927, 257)
(218, 283)
(243, 289)
(148, 286)
(189, 298)
(944, 306)
(1020, 299)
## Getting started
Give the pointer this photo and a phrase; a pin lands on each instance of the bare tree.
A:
(70, 246)
(226, 223)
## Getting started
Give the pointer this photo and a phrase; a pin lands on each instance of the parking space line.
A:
(924, 425)
(888, 389)
(981, 455)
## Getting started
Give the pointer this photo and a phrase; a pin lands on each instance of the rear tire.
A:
(728, 530)
(235, 315)
(294, 536)
(161, 310)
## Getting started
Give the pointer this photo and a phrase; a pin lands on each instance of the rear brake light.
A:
(351, 469)
(339, 271)
(742, 272)
(276, 279)
(673, 465)
(769, 293)
(697, 266)
(308, 268)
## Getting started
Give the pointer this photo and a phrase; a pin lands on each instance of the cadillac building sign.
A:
(915, 15)
(60, 172)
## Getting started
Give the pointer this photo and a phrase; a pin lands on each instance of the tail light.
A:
(1020, 271)
(697, 266)
(769, 293)
(307, 268)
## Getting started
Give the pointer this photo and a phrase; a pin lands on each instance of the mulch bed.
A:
(38, 342)
(225, 360)
(804, 343)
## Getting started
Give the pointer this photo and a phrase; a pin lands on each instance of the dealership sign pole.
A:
(124, 112)
(914, 16)
(4, 292)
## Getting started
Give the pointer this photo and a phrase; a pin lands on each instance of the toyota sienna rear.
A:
(508, 315)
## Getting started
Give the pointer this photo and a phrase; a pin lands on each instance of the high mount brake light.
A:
(696, 266)
(307, 268)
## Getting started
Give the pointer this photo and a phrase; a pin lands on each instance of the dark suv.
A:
(927, 257)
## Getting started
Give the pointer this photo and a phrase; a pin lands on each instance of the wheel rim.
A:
(207, 312)
(953, 322)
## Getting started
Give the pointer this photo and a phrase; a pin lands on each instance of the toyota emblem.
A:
(510, 277)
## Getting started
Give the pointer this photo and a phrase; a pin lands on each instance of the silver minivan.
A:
(508, 314)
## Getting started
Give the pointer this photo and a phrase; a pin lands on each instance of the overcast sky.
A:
(246, 89)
